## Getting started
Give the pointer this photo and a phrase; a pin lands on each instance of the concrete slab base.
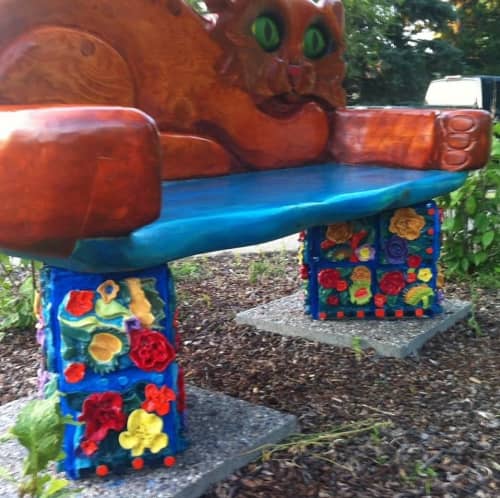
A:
(395, 338)
(225, 434)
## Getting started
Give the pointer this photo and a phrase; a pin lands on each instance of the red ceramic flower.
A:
(75, 373)
(414, 261)
(88, 447)
(181, 391)
(333, 300)
(327, 244)
(150, 350)
(80, 302)
(304, 272)
(379, 300)
(328, 278)
(341, 286)
(101, 413)
(392, 283)
(411, 278)
(158, 399)
(357, 238)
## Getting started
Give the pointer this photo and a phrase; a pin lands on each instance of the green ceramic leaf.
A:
(111, 310)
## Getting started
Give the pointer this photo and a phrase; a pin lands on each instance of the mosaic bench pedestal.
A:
(383, 266)
(110, 343)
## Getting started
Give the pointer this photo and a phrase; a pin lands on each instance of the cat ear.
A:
(216, 6)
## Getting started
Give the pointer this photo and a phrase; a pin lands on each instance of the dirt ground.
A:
(426, 426)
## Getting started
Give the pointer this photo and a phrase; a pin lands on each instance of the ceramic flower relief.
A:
(419, 295)
(360, 293)
(158, 399)
(425, 274)
(88, 447)
(380, 300)
(104, 350)
(80, 302)
(333, 300)
(365, 253)
(396, 250)
(414, 261)
(108, 291)
(102, 412)
(75, 373)
(150, 350)
(361, 274)
(339, 232)
(144, 432)
(132, 323)
(328, 279)
(304, 272)
(392, 283)
(407, 223)
(140, 306)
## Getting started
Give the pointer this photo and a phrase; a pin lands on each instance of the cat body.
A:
(201, 81)
(100, 98)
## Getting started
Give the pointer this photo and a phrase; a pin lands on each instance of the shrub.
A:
(471, 245)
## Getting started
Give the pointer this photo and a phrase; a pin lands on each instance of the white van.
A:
(480, 92)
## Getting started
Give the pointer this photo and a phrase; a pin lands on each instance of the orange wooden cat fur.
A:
(104, 97)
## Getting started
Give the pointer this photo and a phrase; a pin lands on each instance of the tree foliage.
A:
(476, 33)
(391, 52)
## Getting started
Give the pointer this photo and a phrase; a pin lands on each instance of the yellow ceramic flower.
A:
(144, 432)
(139, 304)
(407, 223)
(108, 290)
(104, 347)
(361, 274)
(424, 274)
(421, 294)
(339, 232)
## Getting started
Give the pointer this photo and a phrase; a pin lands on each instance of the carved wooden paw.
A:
(464, 139)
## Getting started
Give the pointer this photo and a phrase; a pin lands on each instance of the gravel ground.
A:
(438, 415)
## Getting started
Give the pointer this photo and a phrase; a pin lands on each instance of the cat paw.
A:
(464, 139)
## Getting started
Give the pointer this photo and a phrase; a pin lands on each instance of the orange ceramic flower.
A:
(158, 399)
(75, 373)
(339, 232)
(108, 291)
(361, 274)
(407, 223)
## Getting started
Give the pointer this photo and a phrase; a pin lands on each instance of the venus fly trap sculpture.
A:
(123, 126)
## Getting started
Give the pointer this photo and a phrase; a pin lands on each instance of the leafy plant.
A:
(322, 443)
(17, 289)
(39, 428)
(471, 246)
(188, 269)
(270, 265)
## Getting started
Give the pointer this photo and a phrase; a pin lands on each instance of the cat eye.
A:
(267, 33)
(316, 43)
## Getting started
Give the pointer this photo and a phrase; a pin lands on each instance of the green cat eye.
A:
(315, 43)
(267, 33)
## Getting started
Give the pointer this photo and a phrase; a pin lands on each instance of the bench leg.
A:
(110, 343)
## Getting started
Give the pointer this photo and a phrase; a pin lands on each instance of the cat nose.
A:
(294, 73)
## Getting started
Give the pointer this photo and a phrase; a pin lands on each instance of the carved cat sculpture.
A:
(101, 99)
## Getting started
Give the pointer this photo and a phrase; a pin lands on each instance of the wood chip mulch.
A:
(441, 411)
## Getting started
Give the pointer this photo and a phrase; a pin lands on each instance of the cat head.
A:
(282, 52)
